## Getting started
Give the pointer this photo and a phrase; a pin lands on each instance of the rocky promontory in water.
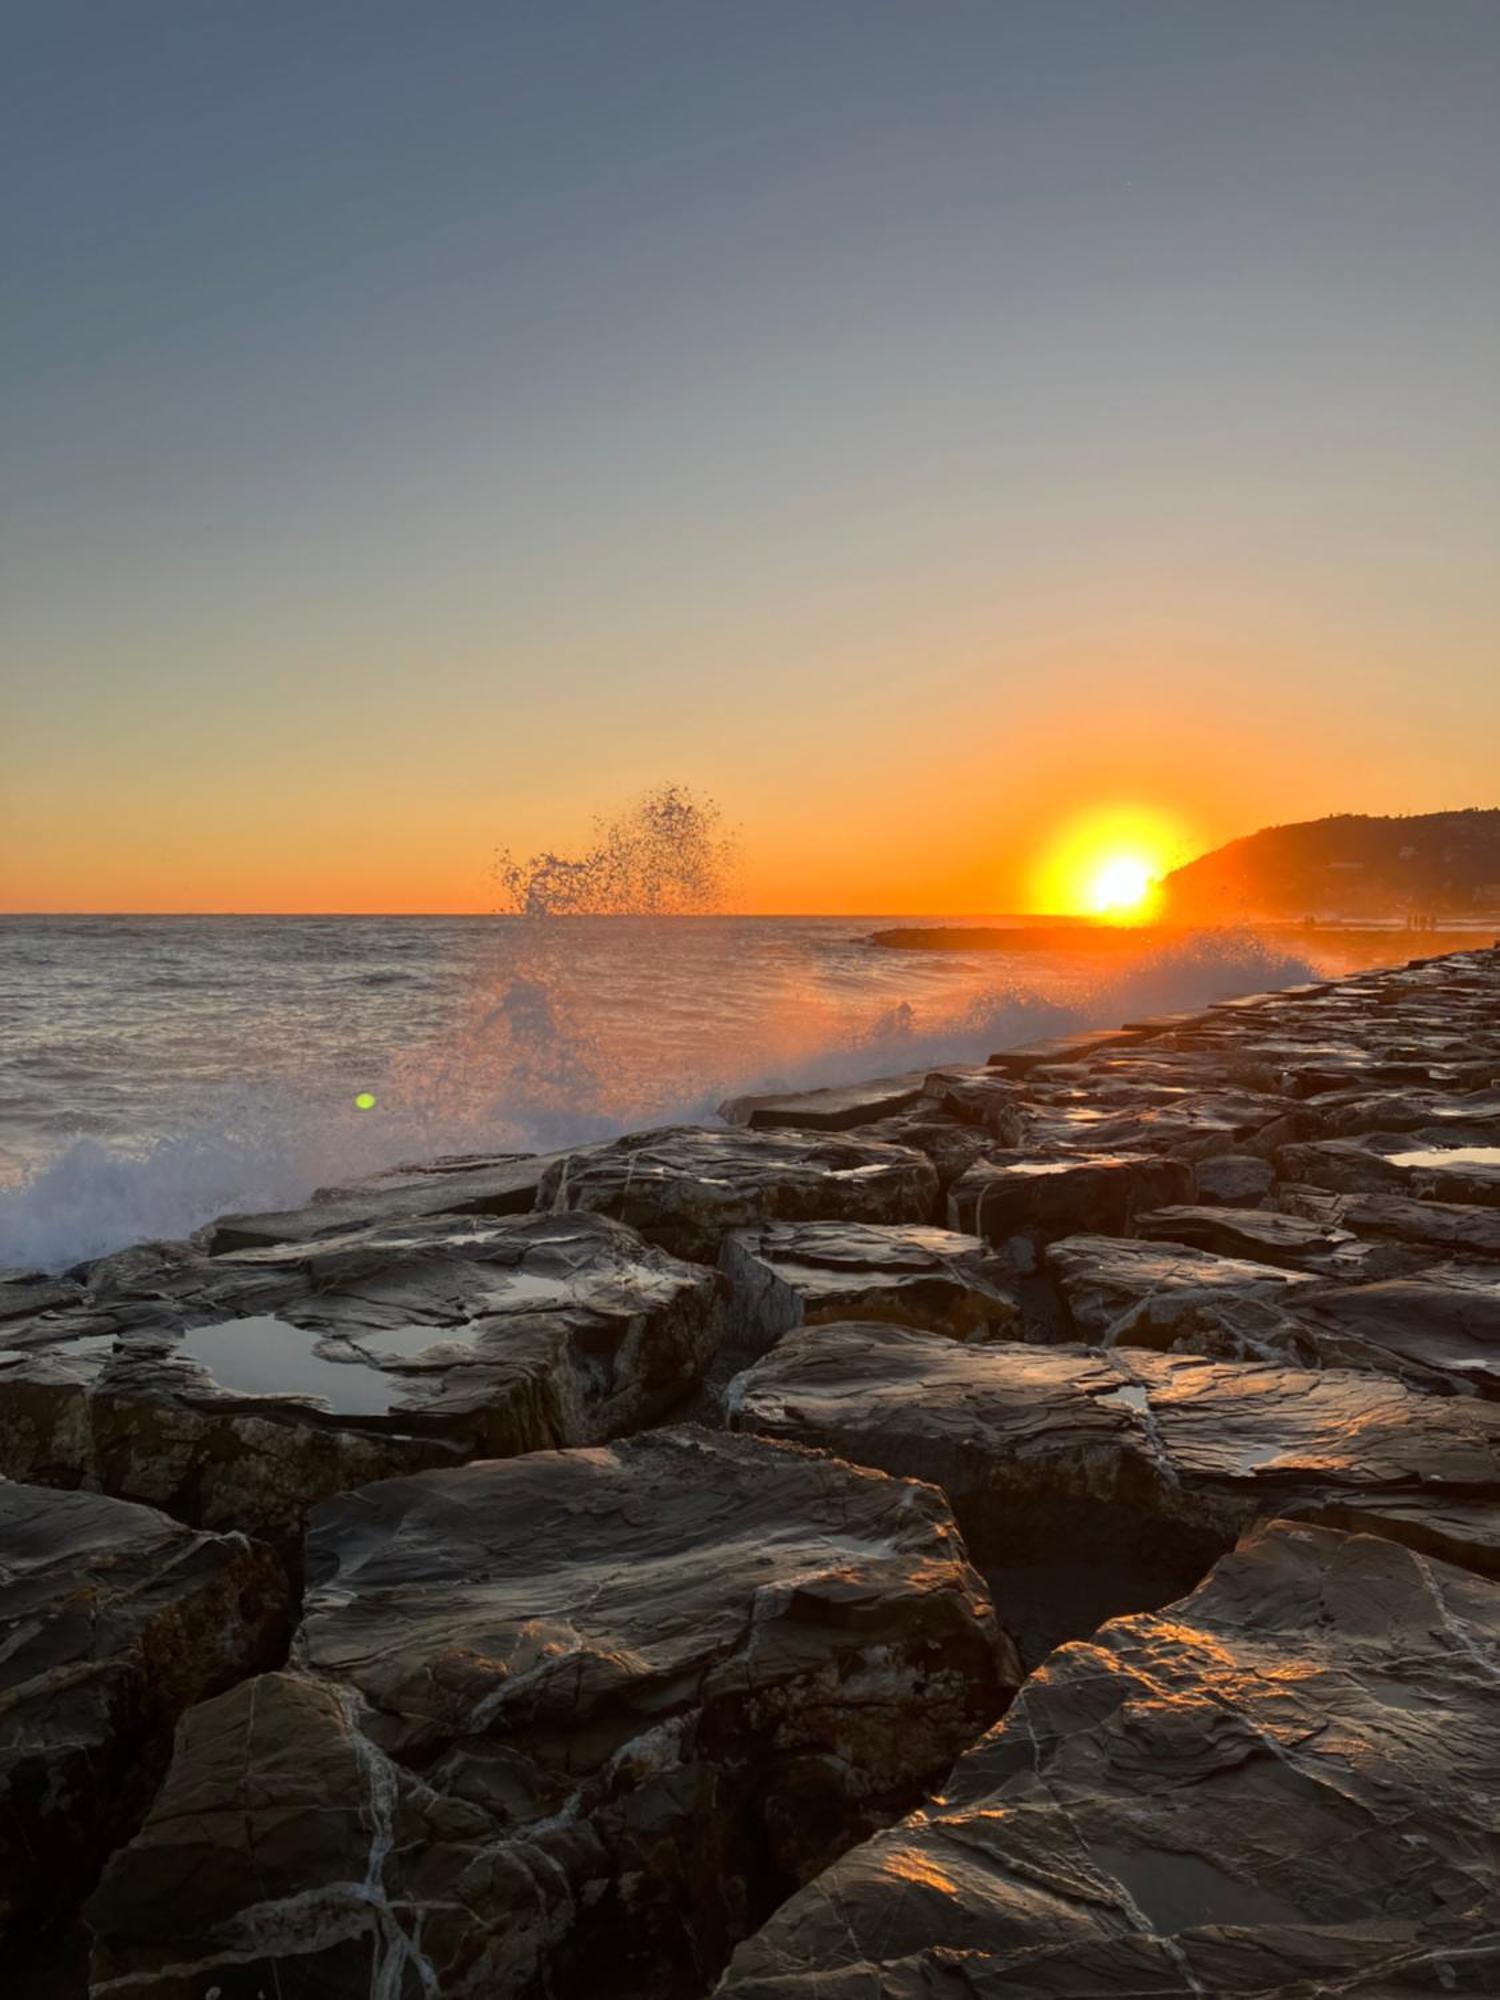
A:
(1029, 1528)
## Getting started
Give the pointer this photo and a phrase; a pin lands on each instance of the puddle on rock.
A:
(266, 1356)
(1448, 1156)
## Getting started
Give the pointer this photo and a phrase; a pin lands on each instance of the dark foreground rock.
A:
(237, 1390)
(1266, 1236)
(1059, 1196)
(1236, 1179)
(568, 1724)
(1114, 1479)
(1283, 1786)
(685, 1188)
(1437, 1328)
(1118, 1289)
(838, 1109)
(1423, 1166)
(1436, 1226)
(113, 1620)
(1440, 1327)
(791, 1275)
(467, 1184)
(978, 1097)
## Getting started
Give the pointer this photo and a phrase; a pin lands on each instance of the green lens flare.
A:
(365, 1101)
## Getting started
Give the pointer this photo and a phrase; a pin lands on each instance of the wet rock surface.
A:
(113, 1621)
(1282, 1785)
(686, 1188)
(1430, 1226)
(1005, 1197)
(569, 1723)
(468, 1184)
(1139, 1467)
(978, 1097)
(790, 1275)
(839, 1109)
(1436, 1165)
(1296, 1243)
(237, 1390)
(1441, 1327)
(1117, 1289)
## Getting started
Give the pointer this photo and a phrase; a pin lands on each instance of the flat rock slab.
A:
(980, 1097)
(1295, 1243)
(567, 1724)
(686, 1187)
(1437, 1328)
(1411, 1164)
(839, 1109)
(1002, 1198)
(1475, 1113)
(796, 1274)
(948, 1143)
(1060, 1455)
(495, 1184)
(1182, 1109)
(1438, 1225)
(113, 1620)
(1113, 1288)
(1444, 1322)
(1064, 1049)
(237, 1390)
(1283, 1786)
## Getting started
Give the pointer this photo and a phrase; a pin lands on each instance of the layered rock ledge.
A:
(790, 1275)
(569, 1723)
(687, 1188)
(1130, 1471)
(1283, 1785)
(236, 1390)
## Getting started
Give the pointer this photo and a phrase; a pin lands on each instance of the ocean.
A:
(158, 1071)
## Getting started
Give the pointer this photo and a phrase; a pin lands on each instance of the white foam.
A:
(532, 1068)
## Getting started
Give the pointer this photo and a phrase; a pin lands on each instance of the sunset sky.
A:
(913, 423)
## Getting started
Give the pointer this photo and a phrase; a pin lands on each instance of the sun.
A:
(1121, 886)
(1108, 864)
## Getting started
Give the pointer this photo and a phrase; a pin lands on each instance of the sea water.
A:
(157, 1071)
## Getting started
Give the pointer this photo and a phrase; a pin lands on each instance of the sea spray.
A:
(527, 1069)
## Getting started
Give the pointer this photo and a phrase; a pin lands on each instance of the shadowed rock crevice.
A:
(1282, 1785)
(113, 1621)
(1112, 1480)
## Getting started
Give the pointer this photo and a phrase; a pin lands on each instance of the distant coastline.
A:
(1109, 940)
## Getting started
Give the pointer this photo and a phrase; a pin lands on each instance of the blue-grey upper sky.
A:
(911, 419)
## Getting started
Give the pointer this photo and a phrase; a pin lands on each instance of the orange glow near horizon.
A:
(1109, 863)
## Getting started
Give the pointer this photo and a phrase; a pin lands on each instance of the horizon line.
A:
(983, 916)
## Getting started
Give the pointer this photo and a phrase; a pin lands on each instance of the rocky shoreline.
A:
(1029, 1528)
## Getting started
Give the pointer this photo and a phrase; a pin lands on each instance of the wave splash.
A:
(524, 1075)
(579, 1030)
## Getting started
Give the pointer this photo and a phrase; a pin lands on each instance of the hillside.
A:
(1352, 865)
